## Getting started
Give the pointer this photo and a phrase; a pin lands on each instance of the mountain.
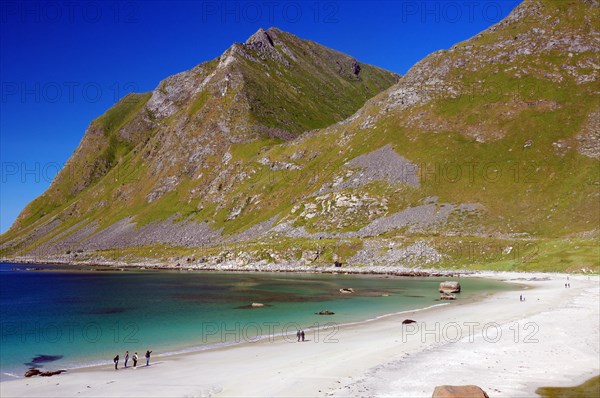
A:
(485, 155)
(165, 151)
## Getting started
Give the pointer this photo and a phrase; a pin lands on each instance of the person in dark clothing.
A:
(298, 334)
(302, 335)
(134, 358)
(148, 357)
(126, 357)
(116, 361)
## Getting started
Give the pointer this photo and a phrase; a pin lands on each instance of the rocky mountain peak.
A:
(261, 39)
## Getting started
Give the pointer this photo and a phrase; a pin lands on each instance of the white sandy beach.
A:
(552, 338)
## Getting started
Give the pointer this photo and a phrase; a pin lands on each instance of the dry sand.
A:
(552, 338)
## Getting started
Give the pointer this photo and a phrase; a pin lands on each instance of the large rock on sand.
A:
(449, 287)
(32, 372)
(52, 373)
(36, 372)
(459, 392)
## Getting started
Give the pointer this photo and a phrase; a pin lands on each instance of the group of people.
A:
(300, 335)
(134, 358)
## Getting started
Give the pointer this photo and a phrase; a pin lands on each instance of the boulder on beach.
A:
(52, 373)
(346, 290)
(32, 372)
(449, 287)
(447, 296)
(408, 321)
(36, 372)
(326, 312)
(469, 391)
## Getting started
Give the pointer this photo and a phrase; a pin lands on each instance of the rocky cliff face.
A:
(483, 155)
(173, 145)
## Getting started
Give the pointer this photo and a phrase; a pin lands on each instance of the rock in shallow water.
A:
(32, 372)
(36, 372)
(326, 312)
(52, 373)
(447, 296)
(449, 287)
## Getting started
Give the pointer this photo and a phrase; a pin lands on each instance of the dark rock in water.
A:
(107, 311)
(326, 312)
(469, 391)
(408, 321)
(32, 372)
(53, 373)
(447, 296)
(44, 359)
(253, 305)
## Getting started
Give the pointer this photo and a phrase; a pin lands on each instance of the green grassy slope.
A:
(497, 122)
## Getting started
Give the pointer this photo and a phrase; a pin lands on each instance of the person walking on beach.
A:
(116, 361)
(302, 335)
(126, 357)
(521, 298)
(298, 334)
(148, 357)
(134, 358)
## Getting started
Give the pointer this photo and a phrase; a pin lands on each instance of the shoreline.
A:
(230, 345)
(336, 369)
(197, 348)
(266, 267)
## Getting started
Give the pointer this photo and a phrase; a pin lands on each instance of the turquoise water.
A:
(65, 317)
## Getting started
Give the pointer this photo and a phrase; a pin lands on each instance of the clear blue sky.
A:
(63, 63)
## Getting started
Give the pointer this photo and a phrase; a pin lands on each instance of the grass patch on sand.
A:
(589, 389)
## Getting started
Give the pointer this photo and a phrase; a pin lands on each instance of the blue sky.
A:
(63, 63)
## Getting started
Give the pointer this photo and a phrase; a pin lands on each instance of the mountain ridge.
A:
(512, 109)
